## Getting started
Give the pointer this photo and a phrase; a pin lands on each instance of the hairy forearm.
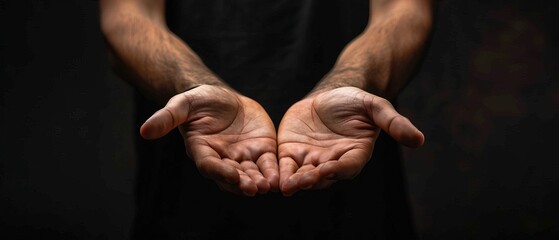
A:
(145, 53)
(383, 57)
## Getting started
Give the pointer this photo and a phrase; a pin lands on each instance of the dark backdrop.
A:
(66, 158)
(486, 97)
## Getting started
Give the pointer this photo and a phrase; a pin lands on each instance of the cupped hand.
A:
(330, 136)
(230, 137)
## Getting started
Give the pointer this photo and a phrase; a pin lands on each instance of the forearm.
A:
(145, 53)
(383, 57)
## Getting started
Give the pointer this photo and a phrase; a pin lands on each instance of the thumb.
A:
(166, 119)
(383, 114)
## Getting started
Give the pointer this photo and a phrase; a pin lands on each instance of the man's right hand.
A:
(230, 137)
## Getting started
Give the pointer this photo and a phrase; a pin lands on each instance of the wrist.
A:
(341, 77)
(194, 79)
(346, 76)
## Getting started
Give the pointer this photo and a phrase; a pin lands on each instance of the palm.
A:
(230, 137)
(330, 136)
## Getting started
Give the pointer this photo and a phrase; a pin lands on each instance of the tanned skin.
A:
(326, 137)
(330, 135)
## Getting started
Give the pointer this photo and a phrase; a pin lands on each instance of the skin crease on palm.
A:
(231, 138)
(326, 137)
(330, 136)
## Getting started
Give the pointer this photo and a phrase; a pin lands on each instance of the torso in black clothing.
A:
(274, 52)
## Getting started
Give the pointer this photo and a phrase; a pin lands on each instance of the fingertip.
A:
(273, 181)
(406, 133)
(152, 127)
(288, 187)
(250, 191)
(263, 186)
(417, 139)
(248, 186)
(146, 131)
(288, 193)
(421, 139)
(230, 176)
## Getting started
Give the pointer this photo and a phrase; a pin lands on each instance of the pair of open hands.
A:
(326, 137)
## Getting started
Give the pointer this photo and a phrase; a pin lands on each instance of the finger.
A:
(287, 167)
(268, 165)
(244, 186)
(250, 168)
(233, 188)
(309, 178)
(166, 119)
(293, 183)
(247, 185)
(388, 119)
(347, 167)
(288, 176)
(213, 167)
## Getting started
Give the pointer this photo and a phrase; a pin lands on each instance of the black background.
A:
(486, 97)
